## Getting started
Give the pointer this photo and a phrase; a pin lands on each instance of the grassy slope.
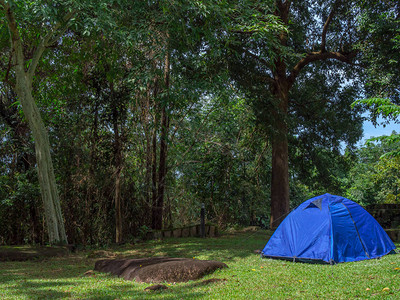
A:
(248, 276)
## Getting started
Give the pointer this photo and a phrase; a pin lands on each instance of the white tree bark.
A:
(24, 78)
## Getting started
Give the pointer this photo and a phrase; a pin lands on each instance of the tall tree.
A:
(25, 61)
(318, 32)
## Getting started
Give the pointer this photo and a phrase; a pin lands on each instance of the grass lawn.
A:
(248, 276)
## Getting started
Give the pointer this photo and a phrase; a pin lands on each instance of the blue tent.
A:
(328, 229)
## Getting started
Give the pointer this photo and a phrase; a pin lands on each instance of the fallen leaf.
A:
(385, 289)
(253, 269)
(89, 273)
(367, 289)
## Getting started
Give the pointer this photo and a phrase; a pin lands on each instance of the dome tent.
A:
(328, 229)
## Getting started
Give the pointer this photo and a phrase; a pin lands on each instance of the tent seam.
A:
(355, 226)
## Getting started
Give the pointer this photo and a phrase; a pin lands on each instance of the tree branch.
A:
(16, 43)
(326, 25)
(45, 41)
(283, 10)
(346, 57)
(68, 17)
(8, 67)
(15, 37)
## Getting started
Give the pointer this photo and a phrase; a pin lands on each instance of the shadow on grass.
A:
(39, 290)
(176, 292)
(226, 248)
(63, 277)
(23, 281)
(25, 253)
(130, 290)
(55, 269)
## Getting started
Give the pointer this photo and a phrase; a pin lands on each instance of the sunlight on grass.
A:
(248, 276)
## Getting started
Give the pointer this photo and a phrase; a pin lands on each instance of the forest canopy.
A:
(118, 117)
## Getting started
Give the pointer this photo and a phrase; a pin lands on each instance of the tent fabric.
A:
(328, 229)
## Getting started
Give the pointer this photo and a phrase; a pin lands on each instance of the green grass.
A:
(248, 276)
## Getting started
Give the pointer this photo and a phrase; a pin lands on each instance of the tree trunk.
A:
(147, 132)
(117, 174)
(279, 180)
(92, 190)
(118, 213)
(154, 198)
(280, 161)
(162, 168)
(47, 181)
(154, 210)
(162, 171)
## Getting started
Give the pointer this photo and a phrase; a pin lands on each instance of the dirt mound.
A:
(158, 269)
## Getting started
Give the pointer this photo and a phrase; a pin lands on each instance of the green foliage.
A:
(388, 110)
(323, 123)
(380, 49)
(225, 165)
(19, 206)
(380, 107)
(373, 178)
(381, 56)
(108, 69)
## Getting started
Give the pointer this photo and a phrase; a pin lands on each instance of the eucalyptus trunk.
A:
(47, 181)
(23, 86)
